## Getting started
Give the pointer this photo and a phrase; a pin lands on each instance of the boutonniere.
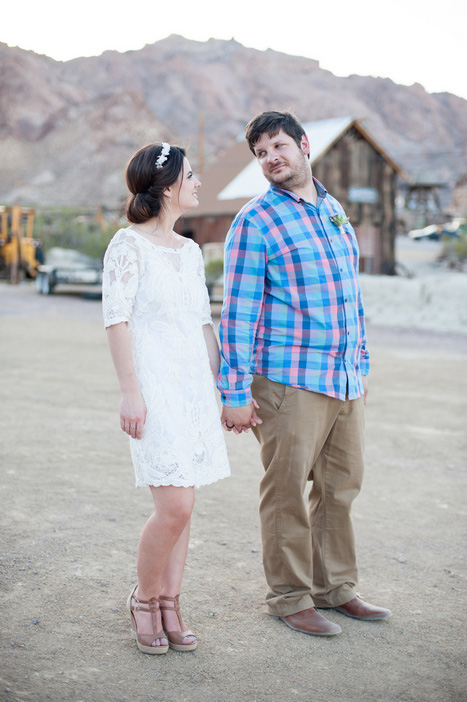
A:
(339, 220)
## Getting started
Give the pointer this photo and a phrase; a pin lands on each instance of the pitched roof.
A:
(236, 176)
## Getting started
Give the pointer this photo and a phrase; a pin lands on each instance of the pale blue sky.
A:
(407, 40)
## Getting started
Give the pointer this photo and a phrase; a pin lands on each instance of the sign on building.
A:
(368, 195)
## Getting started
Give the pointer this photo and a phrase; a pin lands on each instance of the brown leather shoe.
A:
(359, 609)
(311, 622)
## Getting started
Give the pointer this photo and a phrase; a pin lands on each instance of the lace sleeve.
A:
(119, 282)
(206, 315)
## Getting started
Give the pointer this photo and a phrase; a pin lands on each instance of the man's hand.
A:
(365, 388)
(238, 419)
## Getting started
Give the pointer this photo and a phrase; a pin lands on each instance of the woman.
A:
(157, 315)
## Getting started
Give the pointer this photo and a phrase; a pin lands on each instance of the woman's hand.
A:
(132, 408)
(132, 414)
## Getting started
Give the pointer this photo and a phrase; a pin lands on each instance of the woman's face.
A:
(186, 188)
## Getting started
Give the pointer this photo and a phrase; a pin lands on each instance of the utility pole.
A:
(201, 142)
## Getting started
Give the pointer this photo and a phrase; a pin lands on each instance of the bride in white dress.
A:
(157, 315)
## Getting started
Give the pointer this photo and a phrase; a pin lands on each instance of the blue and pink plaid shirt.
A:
(293, 307)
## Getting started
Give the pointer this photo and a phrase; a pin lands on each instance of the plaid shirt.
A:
(293, 308)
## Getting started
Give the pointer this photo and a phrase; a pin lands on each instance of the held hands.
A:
(132, 414)
(238, 419)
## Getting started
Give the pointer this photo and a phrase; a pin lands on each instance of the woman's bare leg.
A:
(172, 581)
(159, 545)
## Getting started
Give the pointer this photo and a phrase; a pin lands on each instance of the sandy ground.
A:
(71, 519)
(435, 298)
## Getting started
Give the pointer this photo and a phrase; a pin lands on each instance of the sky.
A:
(409, 41)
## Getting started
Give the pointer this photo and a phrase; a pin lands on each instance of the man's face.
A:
(283, 163)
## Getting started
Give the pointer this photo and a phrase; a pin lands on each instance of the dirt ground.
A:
(71, 519)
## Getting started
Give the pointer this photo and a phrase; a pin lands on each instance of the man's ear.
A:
(305, 145)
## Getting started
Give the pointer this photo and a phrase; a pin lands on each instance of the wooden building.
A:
(352, 166)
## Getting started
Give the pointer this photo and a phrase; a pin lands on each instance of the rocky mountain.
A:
(68, 128)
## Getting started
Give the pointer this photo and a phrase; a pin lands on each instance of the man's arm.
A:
(364, 354)
(244, 271)
(365, 388)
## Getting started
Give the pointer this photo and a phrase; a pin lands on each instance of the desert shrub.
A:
(460, 247)
(214, 270)
(454, 251)
(87, 232)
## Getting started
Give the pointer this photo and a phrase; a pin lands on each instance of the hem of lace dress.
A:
(168, 483)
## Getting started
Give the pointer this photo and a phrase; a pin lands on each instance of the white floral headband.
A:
(163, 156)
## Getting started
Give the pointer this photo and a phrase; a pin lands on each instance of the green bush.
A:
(214, 270)
(460, 247)
(70, 228)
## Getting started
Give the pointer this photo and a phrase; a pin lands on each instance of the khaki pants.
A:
(308, 550)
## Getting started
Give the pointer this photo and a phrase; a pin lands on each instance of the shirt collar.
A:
(322, 192)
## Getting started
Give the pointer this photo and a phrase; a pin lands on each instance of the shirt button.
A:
(341, 269)
(345, 300)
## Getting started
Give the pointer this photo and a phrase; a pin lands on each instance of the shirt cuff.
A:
(364, 366)
(240, 398)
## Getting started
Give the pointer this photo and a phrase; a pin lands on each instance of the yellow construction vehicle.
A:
(20, 253)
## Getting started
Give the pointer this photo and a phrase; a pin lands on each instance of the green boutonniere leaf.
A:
(339, 220)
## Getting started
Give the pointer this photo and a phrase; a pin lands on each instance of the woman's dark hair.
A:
(271, 123)
(147, 183)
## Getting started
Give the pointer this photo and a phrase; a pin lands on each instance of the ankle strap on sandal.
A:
(151, 605)
(175, 601)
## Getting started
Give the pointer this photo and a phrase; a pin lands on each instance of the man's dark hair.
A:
(271, 123)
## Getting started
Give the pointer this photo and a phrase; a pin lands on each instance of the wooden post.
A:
(201, 143)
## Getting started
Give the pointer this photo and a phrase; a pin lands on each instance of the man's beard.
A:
(298, 177)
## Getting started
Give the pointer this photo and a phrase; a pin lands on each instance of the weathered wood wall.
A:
(354, 162)
(351, 162)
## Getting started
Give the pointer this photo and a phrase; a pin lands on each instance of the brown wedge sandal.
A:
(176, 637)
(144, 641)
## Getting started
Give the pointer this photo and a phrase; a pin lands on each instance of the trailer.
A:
(67, 267)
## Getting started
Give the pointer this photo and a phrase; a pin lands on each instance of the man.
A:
(293, 337)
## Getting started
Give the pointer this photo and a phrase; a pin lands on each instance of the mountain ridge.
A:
(62, 121)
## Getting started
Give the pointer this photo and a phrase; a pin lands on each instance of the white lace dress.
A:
(162, 295)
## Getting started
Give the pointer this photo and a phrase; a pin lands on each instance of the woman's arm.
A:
(213, 349)
(132, 408)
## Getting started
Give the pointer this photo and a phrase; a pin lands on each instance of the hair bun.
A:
(138, 209)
